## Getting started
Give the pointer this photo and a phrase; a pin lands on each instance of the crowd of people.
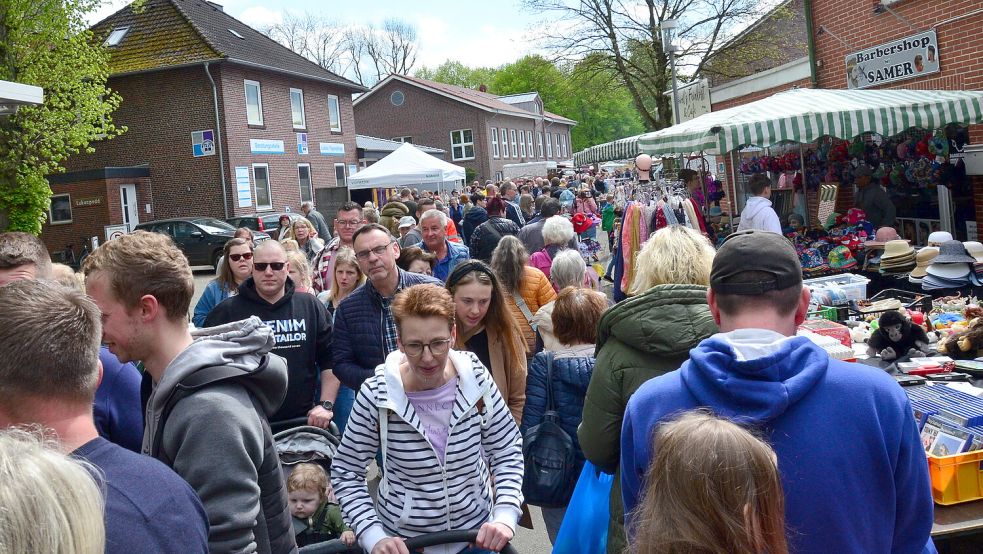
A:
(437, 337)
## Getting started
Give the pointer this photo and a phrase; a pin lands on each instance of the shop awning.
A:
(804, 115)
(621, 149)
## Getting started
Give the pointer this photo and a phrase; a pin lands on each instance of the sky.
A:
(473, 32)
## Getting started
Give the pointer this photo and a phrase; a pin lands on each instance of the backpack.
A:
(550, 472)
(567, 198)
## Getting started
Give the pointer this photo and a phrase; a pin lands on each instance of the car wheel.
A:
(216, 257)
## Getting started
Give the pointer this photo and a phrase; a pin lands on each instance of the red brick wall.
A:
(278, 125)
(87, 221)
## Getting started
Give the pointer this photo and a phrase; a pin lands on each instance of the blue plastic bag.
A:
(585, 524)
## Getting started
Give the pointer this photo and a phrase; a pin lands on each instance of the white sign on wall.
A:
(265, 146)
(243, 190)
(694, 99)
(332, 149)
(904, 58)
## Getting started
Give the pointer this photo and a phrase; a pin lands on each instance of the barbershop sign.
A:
(898, 60)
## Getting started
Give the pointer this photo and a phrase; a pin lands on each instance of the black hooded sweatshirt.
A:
(302, 331)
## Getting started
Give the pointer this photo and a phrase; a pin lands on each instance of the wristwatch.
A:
(328, 405)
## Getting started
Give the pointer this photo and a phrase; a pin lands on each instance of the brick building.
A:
(479, 130)
(221, 121)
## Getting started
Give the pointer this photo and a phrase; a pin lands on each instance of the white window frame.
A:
(549, 146)
(269, 188)
(404, 139)
(494, 142)
(246, 83)
(344, 173)
(540, 133)
(515, 149)
(51, 216)
(310, 182)
(303, 115)
(119, 33)
(532, 153)
(563, 145)
(522, 144)
(505, 142)
(463, 145)
(557, 143)
(337, 107)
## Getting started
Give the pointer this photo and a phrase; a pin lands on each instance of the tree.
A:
(456, 73)
(624, 37)
(47, 43)
(318, 39)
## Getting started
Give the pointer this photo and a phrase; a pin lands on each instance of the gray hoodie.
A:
(217, 441)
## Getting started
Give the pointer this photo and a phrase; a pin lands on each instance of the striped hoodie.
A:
(418, 495)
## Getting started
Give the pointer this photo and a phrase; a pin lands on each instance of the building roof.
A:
(481, 100)
(385, 145)
(174, 33)
(520, 98)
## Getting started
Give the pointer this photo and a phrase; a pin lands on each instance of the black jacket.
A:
(303, 337)
(475, 217)
(486, 237)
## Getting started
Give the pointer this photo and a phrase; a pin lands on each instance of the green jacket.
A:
(638, 339)
(326, 524)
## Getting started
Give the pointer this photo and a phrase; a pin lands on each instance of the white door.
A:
(128, 201)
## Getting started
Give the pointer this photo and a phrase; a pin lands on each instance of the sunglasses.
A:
(261, 266)
(237, 257)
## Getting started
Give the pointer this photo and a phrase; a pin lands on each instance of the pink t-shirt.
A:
(434, 409)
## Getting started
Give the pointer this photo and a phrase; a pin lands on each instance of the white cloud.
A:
(259, 17)
(485, 46)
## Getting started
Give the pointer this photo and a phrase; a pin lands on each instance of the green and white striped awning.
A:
(622, 149)
(805, 115)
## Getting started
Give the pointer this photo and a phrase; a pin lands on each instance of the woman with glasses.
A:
(451, 456)
(237, 268)
(303, 232)
(486, 327)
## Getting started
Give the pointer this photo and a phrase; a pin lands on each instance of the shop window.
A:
(494, 142)
(306, 185)
(334, 113)
(297, 108)
(261, 177)
(254, 102)
(462, 145)
(61, 209)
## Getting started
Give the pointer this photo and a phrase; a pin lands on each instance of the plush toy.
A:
(896, 337)
(861, 332)
(964, 345)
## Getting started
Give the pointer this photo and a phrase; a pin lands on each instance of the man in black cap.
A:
(851, 461)
(873, 199)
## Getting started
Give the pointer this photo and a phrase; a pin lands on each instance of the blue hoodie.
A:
(851, 462)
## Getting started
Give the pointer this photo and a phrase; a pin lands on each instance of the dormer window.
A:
(116, 36)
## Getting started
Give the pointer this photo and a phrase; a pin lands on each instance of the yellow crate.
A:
(957, 478)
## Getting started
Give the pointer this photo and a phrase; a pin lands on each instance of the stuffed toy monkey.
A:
(896, 337)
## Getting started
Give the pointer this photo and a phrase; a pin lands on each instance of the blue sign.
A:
(203, 143)
(332, 149)
(302, 143)
(266, 146)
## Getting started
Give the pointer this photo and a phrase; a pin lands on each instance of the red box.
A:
(828, 328)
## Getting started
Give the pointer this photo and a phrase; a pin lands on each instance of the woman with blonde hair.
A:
(304, 233)
(48, 501)
(644, 336)
(526, 288)
(712, 486)
(485, 327)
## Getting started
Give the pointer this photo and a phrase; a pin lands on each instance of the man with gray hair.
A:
(317, 220)
(433, 227)
(510, 193)
(49, 371)
(23, 256)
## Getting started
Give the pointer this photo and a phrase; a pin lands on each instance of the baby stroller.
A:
(414, 544)
(299, 443)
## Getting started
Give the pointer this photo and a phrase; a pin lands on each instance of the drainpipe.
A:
(811, 34)
(218, 141)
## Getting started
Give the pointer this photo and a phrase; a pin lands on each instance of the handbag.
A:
(549, 456)
(585, 524)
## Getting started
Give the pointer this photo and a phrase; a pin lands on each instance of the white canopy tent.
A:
(408, 166)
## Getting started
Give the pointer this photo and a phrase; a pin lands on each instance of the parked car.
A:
(200, 238)
(268, 223)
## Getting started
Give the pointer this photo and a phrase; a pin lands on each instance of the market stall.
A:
(408, 166)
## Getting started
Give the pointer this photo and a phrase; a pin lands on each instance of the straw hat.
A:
(923, 259)
(897, 249)
(883, 235)
(974, 249)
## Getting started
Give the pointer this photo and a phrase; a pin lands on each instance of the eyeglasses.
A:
(348, 222)
(437, 347)
(378, 251)
(261, 266)
(244, 256)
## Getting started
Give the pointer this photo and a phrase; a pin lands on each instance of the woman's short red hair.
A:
(422, 301)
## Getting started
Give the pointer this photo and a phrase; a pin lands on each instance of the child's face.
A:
(303, 503)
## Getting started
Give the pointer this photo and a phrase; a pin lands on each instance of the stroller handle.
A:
(416, 543)
(277, 426)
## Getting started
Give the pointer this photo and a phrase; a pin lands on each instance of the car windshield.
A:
(213, 225)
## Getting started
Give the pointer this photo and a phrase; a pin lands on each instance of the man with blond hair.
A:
(49, 371)
(206, 416)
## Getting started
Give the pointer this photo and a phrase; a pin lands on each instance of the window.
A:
(254, 103)
(397, 98)
(261, 177)
(403, 139)
(116, 36)
(540, 133)
(549, 146)
(306, 186)
(515, 146)
(557, 143)
(236, 34)
(183, 230)
(61, 209)
(499, 176)
(334, 113)
(297, 108)
(532, 153)
(505, 143)
(522, 144)
(462, 145)
(561, 140)
(494, 141)
(339, 175)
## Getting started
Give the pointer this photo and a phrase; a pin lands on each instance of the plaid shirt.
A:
(388, 322)
(323, 274)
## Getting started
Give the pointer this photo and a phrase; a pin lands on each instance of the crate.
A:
(854, 286)
(957, 478)
(838, 314)
(909, 300)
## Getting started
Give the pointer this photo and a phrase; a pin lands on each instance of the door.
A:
(128, 201)
(191, 240)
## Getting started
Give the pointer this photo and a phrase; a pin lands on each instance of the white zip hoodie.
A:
(758, 214)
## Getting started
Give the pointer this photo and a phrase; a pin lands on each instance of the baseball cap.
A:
(406, 221)
(862, 170)
(755, 250)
